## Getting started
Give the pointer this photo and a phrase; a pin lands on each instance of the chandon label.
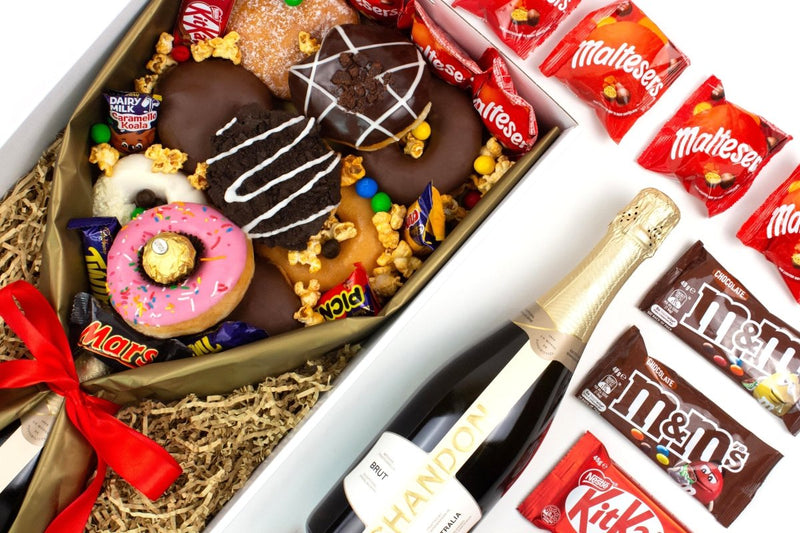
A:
(386, 469)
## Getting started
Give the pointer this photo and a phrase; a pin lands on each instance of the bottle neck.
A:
(577, 302)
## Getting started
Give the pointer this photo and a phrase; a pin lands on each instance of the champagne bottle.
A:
(470, 429)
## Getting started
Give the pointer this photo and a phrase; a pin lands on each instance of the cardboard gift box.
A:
(67, 460)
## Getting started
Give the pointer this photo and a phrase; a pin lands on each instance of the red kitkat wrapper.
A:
(714, 147)
(448, 60)
(200, 20)
(618, 61)
(521, 24)
(587, 492)
(774, 230)
(507, 116)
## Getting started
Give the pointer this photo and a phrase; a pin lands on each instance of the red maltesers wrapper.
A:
(774, 230)
(587, 492)
(200, 20)
(447, 59)
(618, 61)
(521, 24)
(384, 11)
(506, 114)
(714, 147)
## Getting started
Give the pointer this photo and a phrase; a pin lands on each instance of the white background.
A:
(557, 214)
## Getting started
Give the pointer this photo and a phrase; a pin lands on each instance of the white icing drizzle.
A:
(401, 101)
(232, 194)
(224, 128)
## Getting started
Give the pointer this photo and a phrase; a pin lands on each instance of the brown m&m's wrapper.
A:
(713, 457)
(706, 306)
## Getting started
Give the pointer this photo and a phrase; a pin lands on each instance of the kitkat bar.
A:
(707, 307)
(714, 147)
(201, 20)
(618, 61)
(587, 492)
(702, 448)
(774, 230)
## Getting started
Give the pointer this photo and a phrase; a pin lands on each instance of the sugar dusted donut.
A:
(269, 34)
(367, 85)
(211, 290)
(115, 195)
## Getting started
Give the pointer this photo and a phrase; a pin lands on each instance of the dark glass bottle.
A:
(553, 332)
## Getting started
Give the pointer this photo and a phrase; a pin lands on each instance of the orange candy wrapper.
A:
(618, 61)
(714, 147)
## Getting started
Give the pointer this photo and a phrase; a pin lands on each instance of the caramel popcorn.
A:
(159, 63)
(307, 256)
(309, 296)
(165, 160)
(404, 261)
(308, 45)
(199, 180)
(343, 231)
(492, 148)
(388, 236)
(485, 183)
(397, 216)
(145, 84)
(352, 170)
(222, 47)
(105, 157)
(414, 147)
(452, 209)
(164, 43)
(385, 281)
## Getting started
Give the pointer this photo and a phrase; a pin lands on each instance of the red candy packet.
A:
(352, 297)
(618, 61)
(714, 147)
(587, 489)
(521, 24)
(507, 116)
(200, 20)
(448, 60)
(384, 11)
(774, 230)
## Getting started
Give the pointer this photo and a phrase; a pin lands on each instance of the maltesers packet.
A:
(713, 457)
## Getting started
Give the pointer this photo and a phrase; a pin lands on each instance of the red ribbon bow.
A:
(136, 458)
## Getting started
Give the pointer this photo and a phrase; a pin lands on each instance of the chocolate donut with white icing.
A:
(367, 85)
(272, 174)
(199, 98)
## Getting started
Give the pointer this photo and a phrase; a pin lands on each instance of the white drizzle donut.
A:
(208, 295)
(114, 196)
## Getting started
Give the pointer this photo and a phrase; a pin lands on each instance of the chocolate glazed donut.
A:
(455, 141)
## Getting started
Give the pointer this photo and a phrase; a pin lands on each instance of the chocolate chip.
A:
(362, 60)
(345, 59)
(331, 249)
(341, 77)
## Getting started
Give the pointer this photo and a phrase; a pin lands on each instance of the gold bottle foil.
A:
(561, 321)
(168, 257)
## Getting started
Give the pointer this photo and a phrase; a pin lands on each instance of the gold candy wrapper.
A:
(168, 257)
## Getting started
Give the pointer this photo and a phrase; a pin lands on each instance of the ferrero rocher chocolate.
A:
(168, 257)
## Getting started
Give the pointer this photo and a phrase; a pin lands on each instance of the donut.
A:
(198, 98)
(364, 248)
(367, 85)
(455, 141)
(270, 302)
(274, 176)
(269, 34)
(115, 195)
(217, 283)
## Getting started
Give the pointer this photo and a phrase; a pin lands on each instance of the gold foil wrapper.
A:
(168, 257)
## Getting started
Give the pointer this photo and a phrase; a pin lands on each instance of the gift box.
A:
(67, 460)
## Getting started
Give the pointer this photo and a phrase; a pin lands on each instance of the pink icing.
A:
(140, 301)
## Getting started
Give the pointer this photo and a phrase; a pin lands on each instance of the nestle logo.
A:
(596, 479)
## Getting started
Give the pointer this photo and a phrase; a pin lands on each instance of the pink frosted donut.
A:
(212, 290)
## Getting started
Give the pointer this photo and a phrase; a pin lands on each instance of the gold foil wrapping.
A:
(168, 257)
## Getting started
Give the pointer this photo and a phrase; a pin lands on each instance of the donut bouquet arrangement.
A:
(267, 183)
